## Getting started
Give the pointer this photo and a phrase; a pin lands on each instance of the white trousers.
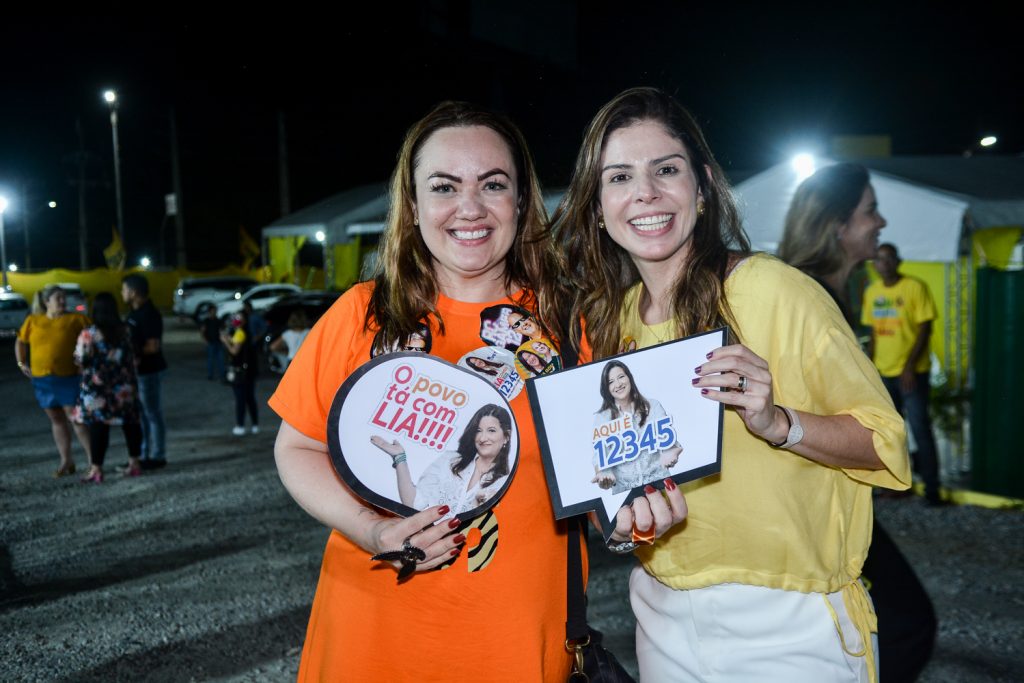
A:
(735, 633)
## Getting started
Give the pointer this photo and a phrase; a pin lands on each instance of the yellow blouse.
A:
(771, 517)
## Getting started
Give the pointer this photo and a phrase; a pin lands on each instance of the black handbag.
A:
(591, 660)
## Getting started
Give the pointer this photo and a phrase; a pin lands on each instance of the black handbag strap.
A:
(576, 601)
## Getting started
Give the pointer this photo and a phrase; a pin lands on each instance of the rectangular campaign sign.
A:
(610, 427)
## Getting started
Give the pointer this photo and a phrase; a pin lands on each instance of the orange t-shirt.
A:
(503, 621)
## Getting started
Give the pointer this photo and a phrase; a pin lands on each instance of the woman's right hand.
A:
(657, 510)
(393, 449)
(423, 531)
(26, 370)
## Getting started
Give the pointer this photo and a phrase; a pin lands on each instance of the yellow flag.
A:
(248, 247)
(114, 253)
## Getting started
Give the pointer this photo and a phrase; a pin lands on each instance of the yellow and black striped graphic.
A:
(481, 542)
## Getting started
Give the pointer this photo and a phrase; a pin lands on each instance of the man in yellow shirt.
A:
(899, 309)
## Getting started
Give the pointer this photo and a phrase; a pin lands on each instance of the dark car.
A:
(314, 303)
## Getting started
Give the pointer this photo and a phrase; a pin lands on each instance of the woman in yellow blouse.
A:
(45, 351)
(760, 582)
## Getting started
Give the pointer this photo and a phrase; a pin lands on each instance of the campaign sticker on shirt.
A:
(497, 366)
(609, 428)
(408, 431)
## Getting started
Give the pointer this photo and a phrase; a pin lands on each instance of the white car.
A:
(195, 295)
(13, 309)
(260, 297)
(74, 297)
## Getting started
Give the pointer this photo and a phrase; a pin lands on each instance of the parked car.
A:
(314, 303)
(260, 297)
(75, 298)
(13, 309)
(195, 295)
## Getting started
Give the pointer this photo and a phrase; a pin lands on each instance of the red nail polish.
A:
(697, 369)
(650, 489)
(454, 552)
(454, 523)
(694, 381)
(443, 511)
(710, 353)
(461, 538)
(670, 485)
(704, 391)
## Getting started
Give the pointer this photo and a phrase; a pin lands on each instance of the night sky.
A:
(765, 83)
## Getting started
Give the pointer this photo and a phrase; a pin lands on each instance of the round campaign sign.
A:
(408, 431)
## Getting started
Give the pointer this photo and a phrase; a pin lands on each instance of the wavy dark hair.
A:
(488, 367)
(601, 272)
(640, 404)
(107, 319)
(822, 203)
(467, 444)
(406, 288)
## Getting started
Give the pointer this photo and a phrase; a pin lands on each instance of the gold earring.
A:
(700, 208)
(600, 222)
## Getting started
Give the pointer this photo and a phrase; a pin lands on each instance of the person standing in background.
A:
(109, 389)
(147, 331)
(832, 226)
(209, 330)
(900, 310)
(44, 352)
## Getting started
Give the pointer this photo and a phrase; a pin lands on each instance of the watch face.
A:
(796, 433)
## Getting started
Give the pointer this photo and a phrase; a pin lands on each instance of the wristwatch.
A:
(796, 432)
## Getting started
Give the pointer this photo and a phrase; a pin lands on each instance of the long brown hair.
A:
(602, 272)
(822, 203)
(467, 444)
(406, 288)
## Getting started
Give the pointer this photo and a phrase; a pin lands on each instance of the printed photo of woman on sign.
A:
(409, 431)
(634, 440)
(462, 480)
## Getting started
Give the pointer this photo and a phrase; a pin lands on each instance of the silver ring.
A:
(742, 386)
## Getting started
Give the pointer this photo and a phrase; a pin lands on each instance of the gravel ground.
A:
(205, 571)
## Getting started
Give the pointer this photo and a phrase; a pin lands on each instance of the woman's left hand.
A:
(736, 376)
(657, 510)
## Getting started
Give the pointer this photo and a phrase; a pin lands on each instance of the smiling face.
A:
(466, 204)
(649, 194)
(489, 437)
(524, 325)
(858, 236)
(619, 385)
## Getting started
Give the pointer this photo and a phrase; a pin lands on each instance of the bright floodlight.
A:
(13, 267)
(320, 236)
(52, 205)
(144, 262)
(989, 140)
(3, 204)
(803, 164)
(110, 96)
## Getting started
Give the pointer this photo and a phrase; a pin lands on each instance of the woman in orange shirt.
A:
(466, 235)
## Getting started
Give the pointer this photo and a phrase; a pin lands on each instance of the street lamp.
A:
(145, 262)
(111, 99)
(3, 244)
(803, 164)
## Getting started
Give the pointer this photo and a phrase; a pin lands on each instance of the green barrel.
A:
(997, 412)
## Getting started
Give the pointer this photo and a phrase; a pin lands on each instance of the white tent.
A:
(360, 210)
(927, 201)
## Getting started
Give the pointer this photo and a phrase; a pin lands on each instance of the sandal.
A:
(64, 470)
